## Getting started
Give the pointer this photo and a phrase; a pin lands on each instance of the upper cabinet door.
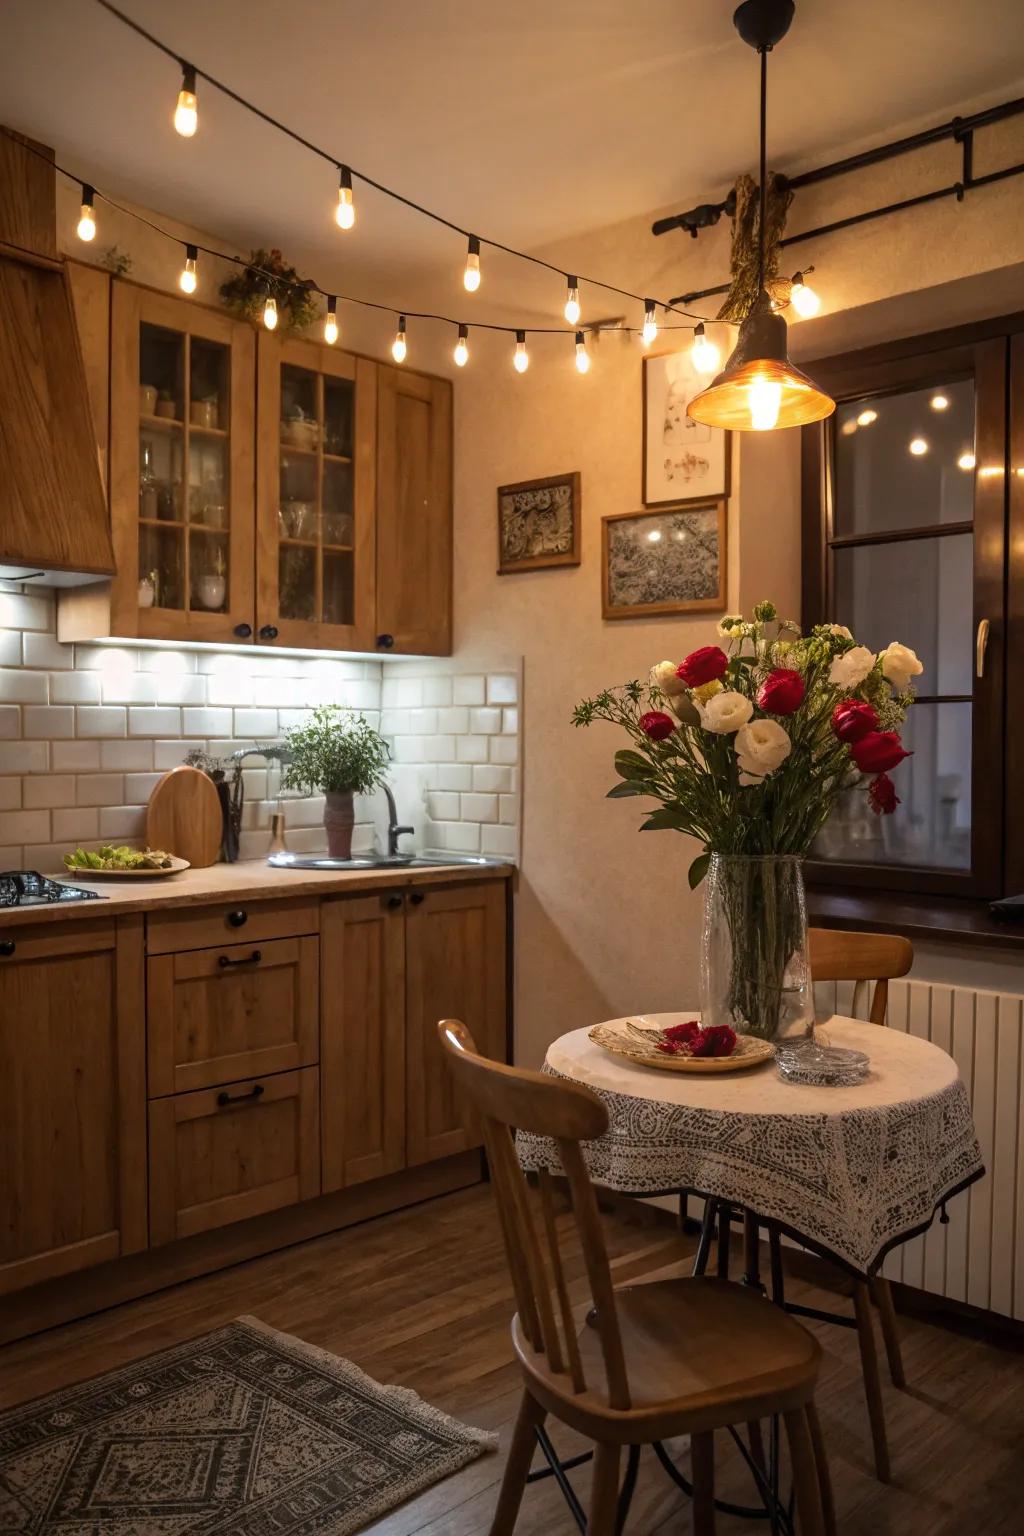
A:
(181, 468)
(315, 493)
(414, 513)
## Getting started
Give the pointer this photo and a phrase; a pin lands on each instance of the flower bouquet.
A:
(747, 748)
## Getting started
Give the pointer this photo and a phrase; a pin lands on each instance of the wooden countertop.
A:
(248, 880)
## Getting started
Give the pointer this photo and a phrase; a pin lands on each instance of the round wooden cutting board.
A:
(184, 817)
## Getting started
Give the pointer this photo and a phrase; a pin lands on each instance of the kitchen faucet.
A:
(394, 830)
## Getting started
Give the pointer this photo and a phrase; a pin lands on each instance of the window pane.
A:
(919, 592)
(904, 460)
(932, 826)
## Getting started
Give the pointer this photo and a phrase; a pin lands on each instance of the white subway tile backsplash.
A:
(10, 722)
(502, 688)
(259, 724)
(205, 722)
(492, 778)
(109, 721)
(471, 749)
(407, 749)
(128, 688)
(24, 826)
(508, 809)
(78, 826)
(443, 805)
(479, 807)
(438, 749)
(46, 722)
(123, 822)
(504, 749)
(455, 776)
(455, 720)
(24, 756)
(10, 647)
(79, 756)
(500, 842)
(44, 790)
(225, 690)
(422, 722)
(100, 788)
(139, 786)
(168, 754)
(20, 611)
(18, 687)
(458, 836)
(437, 690)
(160, 721)
(486, 722)
(44, 650)
(10, 794)
(510, 722)
(134, 755)
(186, 688)
(167, 663)
(468, 689)
(75, 688)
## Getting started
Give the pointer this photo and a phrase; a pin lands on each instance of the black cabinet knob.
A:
(7, 947)
(238, 918)
(243, 631)
(394, 902)
(385, 641)
(268, 632)
(416, 897)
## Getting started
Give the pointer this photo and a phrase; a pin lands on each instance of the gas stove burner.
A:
(28, 888)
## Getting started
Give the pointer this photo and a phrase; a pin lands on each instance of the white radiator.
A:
(978, 1257)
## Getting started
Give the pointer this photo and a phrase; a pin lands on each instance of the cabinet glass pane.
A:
(297, 582)
(208, 570)
(300, 413)
(338, 598)
(904, 460)
(207, 480)
(161, 373)
(209, 385)
(161, 565)
(339, 416)
(336, 523)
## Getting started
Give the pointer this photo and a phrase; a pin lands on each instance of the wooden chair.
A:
(675, 1357)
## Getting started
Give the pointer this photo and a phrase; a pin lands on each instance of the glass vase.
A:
(755, 974)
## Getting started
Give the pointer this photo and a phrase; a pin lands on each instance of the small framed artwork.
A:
(539, 524)
(664, 562)
(683, 459)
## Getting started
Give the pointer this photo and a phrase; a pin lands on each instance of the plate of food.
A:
(682, 1047)
(109, 863)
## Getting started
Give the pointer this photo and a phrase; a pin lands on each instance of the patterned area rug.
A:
(242, 1432)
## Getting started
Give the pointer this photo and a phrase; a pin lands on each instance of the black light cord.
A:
(763, 211)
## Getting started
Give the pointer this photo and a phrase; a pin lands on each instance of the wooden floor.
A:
(422, 1298)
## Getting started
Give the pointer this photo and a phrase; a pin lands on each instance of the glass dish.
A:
(821, 1066)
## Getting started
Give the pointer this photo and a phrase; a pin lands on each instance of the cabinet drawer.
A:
(221, 1155)
(230, 922)
(217, 1015)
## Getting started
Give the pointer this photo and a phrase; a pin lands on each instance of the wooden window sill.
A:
(917, 917)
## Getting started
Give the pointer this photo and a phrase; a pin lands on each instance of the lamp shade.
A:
(759, 388)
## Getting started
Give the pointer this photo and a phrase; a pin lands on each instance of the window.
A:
(910, 500)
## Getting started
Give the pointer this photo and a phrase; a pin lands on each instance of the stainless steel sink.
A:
(374, 861)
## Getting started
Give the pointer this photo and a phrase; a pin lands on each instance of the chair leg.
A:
(828, 1503)
(604, 1491)
(702, 1455)
(881, 1290)
(756, 1439)
(805, 1474)
(531, 1415)
(872, 1384)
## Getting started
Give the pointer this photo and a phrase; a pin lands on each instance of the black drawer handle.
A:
(238, 918)
(416, 897)
(243, 631)
(385, 641)
(255, 1092)
(268, 632)
(394, 902)
(7, 947)
(253, 959)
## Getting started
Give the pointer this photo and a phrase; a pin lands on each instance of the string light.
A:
(186, 113)
(398, 346)
(704, 354)
(345, 213)
(270, 313)
(582, 355)
(87, 221)
(572, 301)
(471, 276)
(803, 297)
(939, 403)
(331, 321)
(918, 446)
(461, 352)
(187, 280)
(966, 460)
(867, 417)
(520, 358)
(650, 329)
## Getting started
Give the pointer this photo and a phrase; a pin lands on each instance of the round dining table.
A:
(848, 1171)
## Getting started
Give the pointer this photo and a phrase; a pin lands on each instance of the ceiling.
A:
(526, 121)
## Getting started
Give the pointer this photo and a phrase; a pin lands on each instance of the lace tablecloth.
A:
(850, 1171)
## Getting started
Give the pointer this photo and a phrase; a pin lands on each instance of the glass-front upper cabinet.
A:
(181, 468)
(316, 491)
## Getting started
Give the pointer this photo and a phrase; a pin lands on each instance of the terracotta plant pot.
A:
(339, 819)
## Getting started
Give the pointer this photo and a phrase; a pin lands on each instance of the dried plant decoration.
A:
(743, 289)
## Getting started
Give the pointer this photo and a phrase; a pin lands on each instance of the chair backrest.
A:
(846, 956)
(510, 1099)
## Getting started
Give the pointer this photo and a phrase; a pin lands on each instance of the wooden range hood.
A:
(54, 526)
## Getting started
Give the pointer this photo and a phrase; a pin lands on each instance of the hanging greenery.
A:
(268, 276)
(744, 259)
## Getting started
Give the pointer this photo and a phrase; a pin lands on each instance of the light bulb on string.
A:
(331, 321)
(650, 329)
(345, 213)
(520, 357)
(187, 280)
(765, 399)
(186, 113)
(471, 276)
(87, 220)
(398, 346)
(270, 313)
(461, 352)
(572, 300)
(582, 355)
(704, 354)
(803, 297)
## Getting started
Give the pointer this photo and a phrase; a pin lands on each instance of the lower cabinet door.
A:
(220, 1155)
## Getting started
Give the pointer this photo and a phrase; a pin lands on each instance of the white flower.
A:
(747, 779)
(851, 668)
(900, 664)
(665, 677)
(725, 712)
(840, 630)
(761, 747)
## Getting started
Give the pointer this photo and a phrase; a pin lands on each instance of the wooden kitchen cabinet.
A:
(72, 1127)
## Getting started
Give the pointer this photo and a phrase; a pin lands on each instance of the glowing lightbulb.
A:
(270, 314)
(803, 297)
(471, 276)
(704, 354)
(965, 461)
(331, 321)
(582, 355)
(345, 213)
(939, 403)
(866, 418)
(765, 397)
(918, 446)
(186, 113)
(572, 300)
(87, 221)
(461, 352)
(398, 346)
(520, 358)
(650, 329)
(187, 280)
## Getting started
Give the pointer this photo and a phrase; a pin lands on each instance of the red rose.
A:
(657, 725)
(781, 692)
(704, 666)
(716, 1040)
(852, 719)
(878, 751)
(686, 1032)
(882, 795)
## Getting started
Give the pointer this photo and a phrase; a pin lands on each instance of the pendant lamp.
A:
(759, 388)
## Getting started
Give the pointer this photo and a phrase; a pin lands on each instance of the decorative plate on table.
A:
(639, 1044)
(175, 867)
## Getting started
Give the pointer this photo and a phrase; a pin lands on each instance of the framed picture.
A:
(539, 524)
(664, 562)
(683, 459)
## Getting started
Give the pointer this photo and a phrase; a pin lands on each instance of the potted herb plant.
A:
(342, 755)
